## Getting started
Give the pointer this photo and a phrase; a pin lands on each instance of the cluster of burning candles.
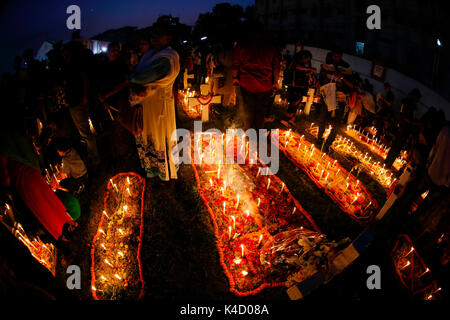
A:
(192, 111)
(410, 266)
(111, 243)
(42, 252)
(327, 172)
(53, 175)
(374, 168)
(373, 142)
(239, 209)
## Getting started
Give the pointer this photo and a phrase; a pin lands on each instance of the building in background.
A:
(413, 39)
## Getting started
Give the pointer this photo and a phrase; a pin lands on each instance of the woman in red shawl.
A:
(19, 169)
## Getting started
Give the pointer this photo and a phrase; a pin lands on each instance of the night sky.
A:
(27, 23)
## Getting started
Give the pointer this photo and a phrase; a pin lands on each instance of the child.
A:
(73, 166)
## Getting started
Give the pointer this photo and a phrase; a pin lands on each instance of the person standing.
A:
(256, 69)
(77, 91)
(156, 72)
(335, 73)
(301, 76)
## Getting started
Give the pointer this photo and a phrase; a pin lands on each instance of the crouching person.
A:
(73, 167)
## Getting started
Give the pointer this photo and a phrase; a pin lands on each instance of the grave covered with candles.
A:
(116, 271)
(252, 211)
(344, 188)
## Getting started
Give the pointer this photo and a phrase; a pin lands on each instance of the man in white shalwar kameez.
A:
(157, 71)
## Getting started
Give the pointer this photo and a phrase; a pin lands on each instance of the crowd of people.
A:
(53, 113)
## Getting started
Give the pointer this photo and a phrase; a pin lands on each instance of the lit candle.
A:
(268, 183)
(247, 212)
(242, 250)
(108, 263)
(229, 232)
(128, 190)
(406, 265)
(234, 222)
(426, 271)
(295, 209)
(260, 239)
(259, 201)
(282, 187)
(128, 180)
(237, 202)
(210, 182)
(411, 250)
(224, 207)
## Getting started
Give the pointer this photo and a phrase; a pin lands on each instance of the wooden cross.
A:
(310, 99)
(186, 77)
(204, 106)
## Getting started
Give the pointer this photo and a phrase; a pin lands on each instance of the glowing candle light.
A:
(104, 212)
(260, 239)
(259, 202)
(210, 182)
(282, 187)
(237, 261)
(125, 208)
(229, 232)
(247, 213)
(406, 265)
(103, 278)
(117, 276)
(293, 210)
(120, 254)
(411, 250)
(268, 183)
(368, 205)
(259, 170)
(234, 222)
(244, 273)
(237, 202)
(224, 207)
(423, 273)
(128, 191)
(108, 263)
(242, 250)
(120, 231)
(218, 171)
(103, 246)
(101, 231)
(128, 180)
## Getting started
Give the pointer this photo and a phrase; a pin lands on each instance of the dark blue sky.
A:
(27, 23)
